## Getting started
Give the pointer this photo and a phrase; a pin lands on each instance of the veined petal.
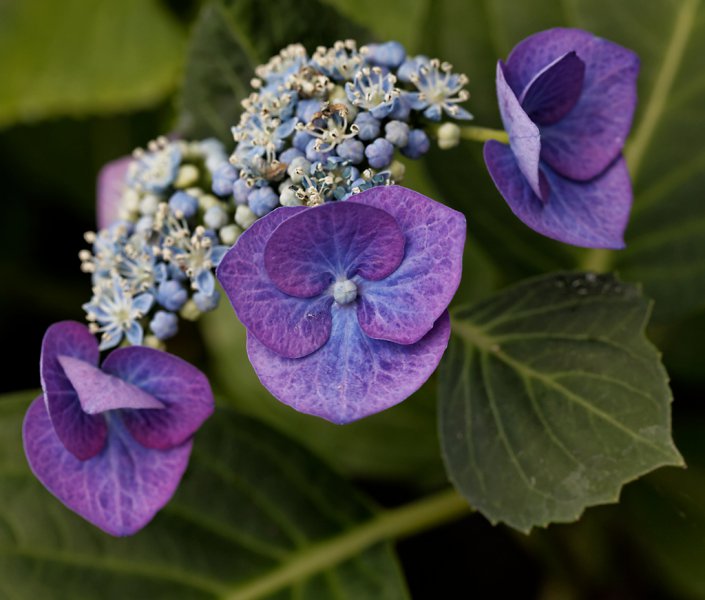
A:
(311, 250)
(591, 214)
(555, 90)
(352, 376)
(589, 138)
(111, 181)
(292, 327)
(524, 136)
(404, 306)
(120, 489)
(82, 434)
(178, 386)
(99, 392)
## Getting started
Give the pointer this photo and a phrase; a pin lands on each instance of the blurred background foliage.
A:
(86, 81)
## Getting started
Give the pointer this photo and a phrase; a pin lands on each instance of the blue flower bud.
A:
(316, 155)
(379, 153)
(263, 200)
(145, 223)
(301, 140)
(368, 126)
(241, 191)
(352, 150)
(164, 325)
(183, 203)
(389, 54)
(171, 295)
(418, 144)
(289, 154)
(215, 217)
(223, 179)
(206, 302)
(397, 132)
(410, 67)
(298, 168)
(307, 108)
(402, 108)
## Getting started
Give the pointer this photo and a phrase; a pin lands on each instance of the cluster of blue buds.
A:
(320, 128)
(315, 129)
(156, 259)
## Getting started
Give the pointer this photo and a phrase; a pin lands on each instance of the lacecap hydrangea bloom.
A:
(163, 232)
(567, 99)
(345, 304)
(112, 442)
(322, 127)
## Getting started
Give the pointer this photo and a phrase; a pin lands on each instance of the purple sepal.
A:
(178, 386)
(111, 181)
(119, 490)
(311, 250)
(352, 376)
(82, 434)
(555, 90)
(524, 136)
(403, 307)
(592, 214)
(292, 327)
(99, 392)
(590, 136)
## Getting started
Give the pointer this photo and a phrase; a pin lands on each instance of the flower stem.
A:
(391, 524)
(597, 260)
(483, 134)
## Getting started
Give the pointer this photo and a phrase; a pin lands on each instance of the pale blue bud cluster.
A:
(322, 127)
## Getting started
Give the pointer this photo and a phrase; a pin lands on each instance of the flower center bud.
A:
(344, 292)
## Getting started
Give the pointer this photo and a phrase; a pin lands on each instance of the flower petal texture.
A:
(567, 100)
(309, 251)
(286, 324)
(353, 375)
(593, 214)
(404, 307)
(112, 442)
(345, 303)
(119, 490)
(111, 182)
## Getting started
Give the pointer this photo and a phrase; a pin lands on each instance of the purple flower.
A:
(345, 303)
(567, 99)
(112, 442)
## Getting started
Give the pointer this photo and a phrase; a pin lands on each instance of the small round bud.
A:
(397, 170)
(186, 176)
(229, 234)
(149, 204)
(352, 150)
(244, 216)
(207, 201)
(397, 132)
(183, 203)
(263, 200)
(164, 325)
(288, 197)
(418, 144)
(215, 217)
(448, 136)
(298, 168)
(189, 311)
(379, 153)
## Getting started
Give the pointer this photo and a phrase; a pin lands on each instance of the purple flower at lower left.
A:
(112, 442)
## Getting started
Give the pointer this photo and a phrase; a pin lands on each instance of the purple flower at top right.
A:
(567, 99)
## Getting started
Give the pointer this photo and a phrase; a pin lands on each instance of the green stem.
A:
(598, 260)
(483, 134)
(390, 524)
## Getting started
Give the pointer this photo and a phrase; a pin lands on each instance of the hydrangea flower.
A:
(159, 239)
(566, 99)
(112, 443)
(345, 303)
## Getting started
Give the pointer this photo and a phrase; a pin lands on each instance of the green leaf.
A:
(80, 57)
(398, 444)
(256, 516)
(665, 514)
(230, 39)
(551, 398)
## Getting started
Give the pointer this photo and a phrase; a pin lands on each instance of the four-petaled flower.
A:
(345, 303)
(567, 99)
(112, 442)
